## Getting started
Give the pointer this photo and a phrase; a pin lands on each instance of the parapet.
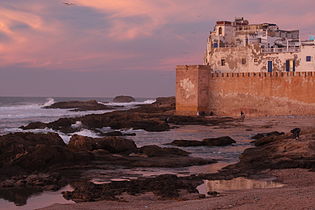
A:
(264, 74)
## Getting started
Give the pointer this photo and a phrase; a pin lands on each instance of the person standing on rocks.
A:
(242, 118)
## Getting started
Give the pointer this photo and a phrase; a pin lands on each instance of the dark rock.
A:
(198, 120)
(166, 186)
(213, 193)
(129, 134)
(167, 161)
(156, 151)
(123, 99)
(265, 140)
(113, 133)
(186, 143)
(150, 125)
(220, 141)
(79, 105)
(27, 152)
(165, 102)
(276, 152)
(111, 144)
(22, 187)
(34, 125)
(261, 135)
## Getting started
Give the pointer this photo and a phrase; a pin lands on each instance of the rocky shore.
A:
(152, 117)
(273, 152)
(44, 162)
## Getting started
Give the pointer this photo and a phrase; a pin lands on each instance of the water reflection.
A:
(239, 183)
(18, 199)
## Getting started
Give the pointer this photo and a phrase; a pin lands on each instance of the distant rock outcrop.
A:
(91, 105)
(123, 99)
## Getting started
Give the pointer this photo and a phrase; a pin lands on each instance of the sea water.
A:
(18, 111)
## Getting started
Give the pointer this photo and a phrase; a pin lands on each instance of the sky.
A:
(114, 47)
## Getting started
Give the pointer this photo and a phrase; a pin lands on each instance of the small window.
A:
(255, 59)
(222, 62)
(220, 31)
(308, 58)
(243, 60)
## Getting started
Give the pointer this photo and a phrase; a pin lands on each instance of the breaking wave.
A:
(151, 101)
(49, 102)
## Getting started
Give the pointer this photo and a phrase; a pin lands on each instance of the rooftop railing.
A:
(280, 50)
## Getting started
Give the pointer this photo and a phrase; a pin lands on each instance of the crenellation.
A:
(263, 74)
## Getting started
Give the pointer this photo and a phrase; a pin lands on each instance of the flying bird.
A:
(68, 3)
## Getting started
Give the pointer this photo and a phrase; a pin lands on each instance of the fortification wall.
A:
(192, 89)
(256, 94)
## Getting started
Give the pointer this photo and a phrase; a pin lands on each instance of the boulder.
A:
(186, 143)
(123, 99)
(31, 151)
(110, 143)
(156, 151)
(210, 142)
(34, 125)
(261, 135)
(220, 141)
(113, 133)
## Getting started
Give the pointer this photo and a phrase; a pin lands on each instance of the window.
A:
(243, 60)
(222, 62)
(220, 31)
(308, 58)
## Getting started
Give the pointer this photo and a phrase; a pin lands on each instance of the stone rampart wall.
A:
(257, 94)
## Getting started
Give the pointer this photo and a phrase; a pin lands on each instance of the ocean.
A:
(18, 111)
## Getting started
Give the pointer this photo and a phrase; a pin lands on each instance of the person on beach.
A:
(242, 118)
(296, 133)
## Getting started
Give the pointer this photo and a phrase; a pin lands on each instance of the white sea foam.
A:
(50, 102)
(129, 104)
(65, 137)
(84, 132)
(78, 124)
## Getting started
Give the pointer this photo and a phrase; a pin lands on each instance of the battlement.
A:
(264, 74)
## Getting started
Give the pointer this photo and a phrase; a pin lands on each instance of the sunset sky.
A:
(112, 47)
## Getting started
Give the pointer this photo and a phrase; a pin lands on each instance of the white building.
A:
(242, 47)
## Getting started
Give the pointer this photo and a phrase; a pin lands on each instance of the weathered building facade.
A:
(242, 47)
(257, 69)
